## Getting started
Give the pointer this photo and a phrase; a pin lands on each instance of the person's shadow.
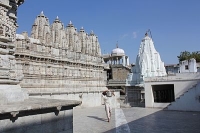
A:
(95, 117)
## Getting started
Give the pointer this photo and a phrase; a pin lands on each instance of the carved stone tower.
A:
(10, 72)
(148, 63)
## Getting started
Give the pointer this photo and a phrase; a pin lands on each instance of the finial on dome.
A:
(92, 33)
(57, 17)
(146, 34)
(82, 28)
(70, 22)
(42, 13)
(117, 45)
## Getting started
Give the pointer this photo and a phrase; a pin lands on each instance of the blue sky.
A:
(174, 24)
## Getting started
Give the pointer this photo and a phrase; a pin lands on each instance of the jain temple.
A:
(44, 75)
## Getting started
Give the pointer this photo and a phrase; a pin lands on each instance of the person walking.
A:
(107, 97)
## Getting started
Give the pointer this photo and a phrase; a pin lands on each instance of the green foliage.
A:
(185, 55)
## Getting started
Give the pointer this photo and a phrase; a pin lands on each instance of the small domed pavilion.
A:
(116, 57)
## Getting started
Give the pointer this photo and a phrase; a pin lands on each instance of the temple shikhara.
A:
(60, 59)
(148, 63)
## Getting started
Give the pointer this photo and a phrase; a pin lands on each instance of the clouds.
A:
(123, 36)
(134, 34)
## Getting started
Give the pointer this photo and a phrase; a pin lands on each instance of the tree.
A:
(185, 55)
(196, 55)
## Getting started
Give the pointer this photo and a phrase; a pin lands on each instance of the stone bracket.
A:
(14, 113)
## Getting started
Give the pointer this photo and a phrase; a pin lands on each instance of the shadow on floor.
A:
(163, 122)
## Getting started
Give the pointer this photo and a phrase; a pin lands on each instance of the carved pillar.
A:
(123, 60)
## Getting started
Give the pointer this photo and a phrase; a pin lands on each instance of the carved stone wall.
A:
(57, 57)
(10, 72)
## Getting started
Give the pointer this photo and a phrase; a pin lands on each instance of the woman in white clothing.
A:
(107, 97)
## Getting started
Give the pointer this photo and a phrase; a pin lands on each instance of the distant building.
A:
(116, 57)
(183, 67)
(188, 66)
(172, 69)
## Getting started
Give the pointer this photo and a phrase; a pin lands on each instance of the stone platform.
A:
(135, 120)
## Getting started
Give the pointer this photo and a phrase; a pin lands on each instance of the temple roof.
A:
(118, 51)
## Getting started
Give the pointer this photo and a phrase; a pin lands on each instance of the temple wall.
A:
(61, 63)
(10, 73)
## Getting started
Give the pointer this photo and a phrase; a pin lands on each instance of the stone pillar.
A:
(123, 60)
(127, 61)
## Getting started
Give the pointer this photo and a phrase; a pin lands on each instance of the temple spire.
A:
(42, 13)
(70, 22)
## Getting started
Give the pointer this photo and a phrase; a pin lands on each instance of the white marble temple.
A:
(148, 63)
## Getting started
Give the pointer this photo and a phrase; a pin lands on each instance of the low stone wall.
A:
(88, 99)
(41, 121)
(38, 116)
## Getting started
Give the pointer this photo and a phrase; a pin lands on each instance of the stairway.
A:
(189, 101)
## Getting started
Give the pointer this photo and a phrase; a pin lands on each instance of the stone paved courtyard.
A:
(135, 120)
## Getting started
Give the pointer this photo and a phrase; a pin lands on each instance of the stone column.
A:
(123, 60)
(127, 61)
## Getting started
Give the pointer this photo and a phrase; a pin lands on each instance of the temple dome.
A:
(118, 51)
